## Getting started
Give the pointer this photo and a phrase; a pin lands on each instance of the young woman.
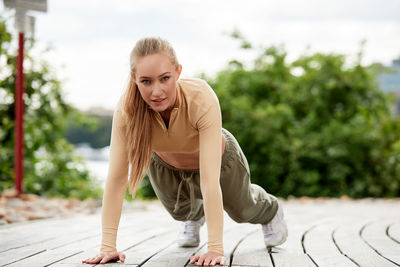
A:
(171, 129)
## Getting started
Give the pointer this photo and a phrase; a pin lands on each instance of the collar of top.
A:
(178, 95)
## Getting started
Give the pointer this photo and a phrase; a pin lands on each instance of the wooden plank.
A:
(136, 249)
(20, 235)
(142, 252)
(288, 259)
(394, 232)
(59, 253)
(23, 235)
(149, 248)
(135, 255)
(252, 252)
(50, 256)
(175, 255)
(72, 234)
(51, 238)
(319, 245)
(349, 242)
(291, 253)
(20, 253)
(76, 260)
(374, 234)
(172, 256)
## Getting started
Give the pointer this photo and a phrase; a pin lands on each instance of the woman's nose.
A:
(157, 91)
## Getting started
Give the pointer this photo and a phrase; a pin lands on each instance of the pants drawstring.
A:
(189, 181)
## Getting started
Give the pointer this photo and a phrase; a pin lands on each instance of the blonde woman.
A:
(170, 128)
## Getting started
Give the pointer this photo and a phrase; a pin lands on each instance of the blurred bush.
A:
(318, 126)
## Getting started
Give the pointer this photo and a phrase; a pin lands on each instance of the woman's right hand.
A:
(106, 256)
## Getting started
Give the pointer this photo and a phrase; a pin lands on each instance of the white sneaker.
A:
(190, 236)
(275, 232)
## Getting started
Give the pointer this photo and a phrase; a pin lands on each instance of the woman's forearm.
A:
(116, 184)
(113, 197)
(213, 209)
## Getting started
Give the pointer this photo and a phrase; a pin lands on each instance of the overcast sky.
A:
(92, 39)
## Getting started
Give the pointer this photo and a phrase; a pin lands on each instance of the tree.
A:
(316, 126)
(50, 166)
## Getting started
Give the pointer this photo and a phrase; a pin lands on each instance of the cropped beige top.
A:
(195, 125)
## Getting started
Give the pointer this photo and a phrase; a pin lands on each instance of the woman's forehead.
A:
(153, 65)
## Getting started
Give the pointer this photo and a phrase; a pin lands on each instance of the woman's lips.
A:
(158, 101)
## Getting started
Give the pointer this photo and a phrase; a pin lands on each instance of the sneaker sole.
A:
(188, 243)
(277, 243)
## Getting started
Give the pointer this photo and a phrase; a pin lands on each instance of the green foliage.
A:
(50, 166)
(315, 127)
(144, 191)
(97, 134)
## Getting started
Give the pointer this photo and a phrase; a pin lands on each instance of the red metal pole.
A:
(19, 118)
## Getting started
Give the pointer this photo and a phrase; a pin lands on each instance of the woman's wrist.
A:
(107, 247)
(107, 250)
(219, 251)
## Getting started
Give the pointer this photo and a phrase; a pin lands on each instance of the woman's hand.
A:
(106, 256)
(209, 259)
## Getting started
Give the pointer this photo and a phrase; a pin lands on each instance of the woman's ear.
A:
(179, 71)
(133, 78)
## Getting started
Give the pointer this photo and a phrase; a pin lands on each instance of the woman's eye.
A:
(145, 81)
(165, 78)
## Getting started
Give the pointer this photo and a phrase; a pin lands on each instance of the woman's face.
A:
(156, 78)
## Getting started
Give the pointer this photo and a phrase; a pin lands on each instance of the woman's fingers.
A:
(95, 259)
(203, 259)
(105, 257)
(193, 259)
(90, 260)
(111, 257)
(122, 257)
(207, 260)
(98, 258)
(221, 261)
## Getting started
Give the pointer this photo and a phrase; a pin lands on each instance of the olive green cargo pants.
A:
(179, 189)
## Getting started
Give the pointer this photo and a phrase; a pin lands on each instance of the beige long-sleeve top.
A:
(195, 125)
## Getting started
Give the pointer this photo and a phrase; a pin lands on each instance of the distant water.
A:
(96, 159)
(99, 169)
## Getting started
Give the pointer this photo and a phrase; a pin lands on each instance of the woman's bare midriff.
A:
(188, 161)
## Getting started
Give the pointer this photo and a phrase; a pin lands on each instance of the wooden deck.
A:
(321, 233)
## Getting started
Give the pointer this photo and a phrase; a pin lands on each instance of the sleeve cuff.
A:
(109, 240)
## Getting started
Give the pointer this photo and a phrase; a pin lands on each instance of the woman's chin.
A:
(159, 108)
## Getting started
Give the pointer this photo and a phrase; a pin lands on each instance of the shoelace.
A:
(269, 228)
(191, 227)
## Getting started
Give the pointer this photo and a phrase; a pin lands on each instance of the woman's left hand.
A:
(208, 259)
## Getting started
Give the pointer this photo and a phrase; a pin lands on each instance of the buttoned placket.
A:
(171, 120)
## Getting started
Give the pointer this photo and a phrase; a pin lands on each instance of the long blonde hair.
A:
(139, 115)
